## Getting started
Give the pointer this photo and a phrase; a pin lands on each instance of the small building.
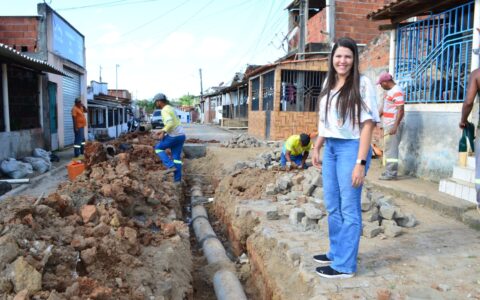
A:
(25, 98)
(107, 112)
(50, 38)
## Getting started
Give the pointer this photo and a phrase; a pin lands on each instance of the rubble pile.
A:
(299, 195)
(269, 160)
(113, 233)
(242, 141)
(382, 216)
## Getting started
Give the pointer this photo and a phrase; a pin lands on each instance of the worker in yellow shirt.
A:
(296, 150)
(172, 137)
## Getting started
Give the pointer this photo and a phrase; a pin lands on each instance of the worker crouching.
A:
(296, 150)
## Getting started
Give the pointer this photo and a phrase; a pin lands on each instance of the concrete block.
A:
(407, 221)
(367, 204)
(317, 193)
(458, 190)
(371, 230)
(387, 211)
(471, 162)
(296, 215)
(472, 196)
(372, 215)
(308, 189)
(465, 192)
(317, 179)
(312, 212)
(450, 187)
(309, 224)
(271, 189)
(391, 229)
(272, 214)
(194, 150)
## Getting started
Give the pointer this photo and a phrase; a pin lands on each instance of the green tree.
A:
(186, 100)
(147, 105)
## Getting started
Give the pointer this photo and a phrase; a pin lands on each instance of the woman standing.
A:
(348, 113)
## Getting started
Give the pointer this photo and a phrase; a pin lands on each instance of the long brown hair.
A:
(350, 101)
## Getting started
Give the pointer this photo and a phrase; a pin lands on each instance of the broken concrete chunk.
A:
(24, 276)
(8, 250)
(308, 189)
(372, 216)
(309, 224)
(317, 179)
(88, 213)
(318, 193)
(284, 183)
(387, 211)
(391, 229)
(312, 212)
(296, 215)
(271, 189)
(272, 214)
(371, 231)
(407, 221)
(367, 204)
(88, 255)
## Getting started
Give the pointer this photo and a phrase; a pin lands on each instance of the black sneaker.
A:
(322, 258)
(328, 272)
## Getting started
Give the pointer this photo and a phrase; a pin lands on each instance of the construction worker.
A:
(473, 89)
(79, 123)
(392, 112)
(172, 137)
(296, 150)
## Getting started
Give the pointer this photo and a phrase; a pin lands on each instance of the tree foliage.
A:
(186, 100)
(147, 105)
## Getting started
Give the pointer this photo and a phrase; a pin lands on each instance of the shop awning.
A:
(10, 55)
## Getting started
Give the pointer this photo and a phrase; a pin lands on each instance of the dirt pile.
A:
(199, 141)
(113, 233)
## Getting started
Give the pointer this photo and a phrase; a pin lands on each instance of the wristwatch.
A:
(361, 162)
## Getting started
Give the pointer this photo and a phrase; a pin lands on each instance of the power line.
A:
(105, 4)
(155, 19)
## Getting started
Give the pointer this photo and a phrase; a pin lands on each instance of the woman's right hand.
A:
(316, 158)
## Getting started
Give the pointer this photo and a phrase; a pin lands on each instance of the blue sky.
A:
(160, 45)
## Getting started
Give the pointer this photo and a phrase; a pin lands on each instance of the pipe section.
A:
(225, 282)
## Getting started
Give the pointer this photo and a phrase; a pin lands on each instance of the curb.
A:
(34, 181)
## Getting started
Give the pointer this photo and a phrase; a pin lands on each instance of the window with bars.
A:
(255, 93)
(300, 90)
(433, 56)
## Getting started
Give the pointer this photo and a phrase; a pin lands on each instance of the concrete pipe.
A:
(145, 127)
(226, 284)
(111, 151)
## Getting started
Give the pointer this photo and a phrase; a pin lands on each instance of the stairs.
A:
(462, 183)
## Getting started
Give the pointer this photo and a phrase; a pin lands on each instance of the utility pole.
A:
(100, 73)
(201, 84)
(116, 81)
(303, 19)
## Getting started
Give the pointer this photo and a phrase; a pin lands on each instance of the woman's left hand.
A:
(358, 175)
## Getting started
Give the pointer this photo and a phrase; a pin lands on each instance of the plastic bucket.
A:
(74, 169)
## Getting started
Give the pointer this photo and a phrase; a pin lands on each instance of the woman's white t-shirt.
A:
(335, 126)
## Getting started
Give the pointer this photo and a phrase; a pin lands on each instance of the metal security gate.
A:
(71, 90)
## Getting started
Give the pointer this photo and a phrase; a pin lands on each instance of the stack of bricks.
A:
(19, 32)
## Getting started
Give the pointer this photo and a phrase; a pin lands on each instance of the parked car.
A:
(156, 119)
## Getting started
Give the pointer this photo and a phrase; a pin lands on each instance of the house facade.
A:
(49, 37)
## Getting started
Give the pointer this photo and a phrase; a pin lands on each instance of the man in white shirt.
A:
(392, 112)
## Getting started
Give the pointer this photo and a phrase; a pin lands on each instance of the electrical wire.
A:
(105, 4)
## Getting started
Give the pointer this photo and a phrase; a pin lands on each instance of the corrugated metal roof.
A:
(8, 54)
(400, 10)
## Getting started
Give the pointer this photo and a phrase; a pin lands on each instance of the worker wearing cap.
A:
(172, 136)
(79, 123)
(296, 150)
(392, 112)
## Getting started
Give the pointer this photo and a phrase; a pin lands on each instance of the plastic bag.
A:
(15, 169)
(39, 152)
(38, 164)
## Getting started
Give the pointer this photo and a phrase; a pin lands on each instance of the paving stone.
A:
(272, 214)
(367, 204)
(387, 211)
(317, 179)
(308, 188)
(296, 215)
(370, 231)
(282, 198)
(391, 229)
(309, 224)
(313, 212)
(318, 193)
(407, 221)
(271, 189)
(372, 215)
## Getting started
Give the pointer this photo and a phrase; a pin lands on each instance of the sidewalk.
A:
(43, 183)
(425, 193)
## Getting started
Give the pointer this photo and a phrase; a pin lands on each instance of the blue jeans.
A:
(342, 202)
(295, 158)
(79, 142)
(175, 144)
